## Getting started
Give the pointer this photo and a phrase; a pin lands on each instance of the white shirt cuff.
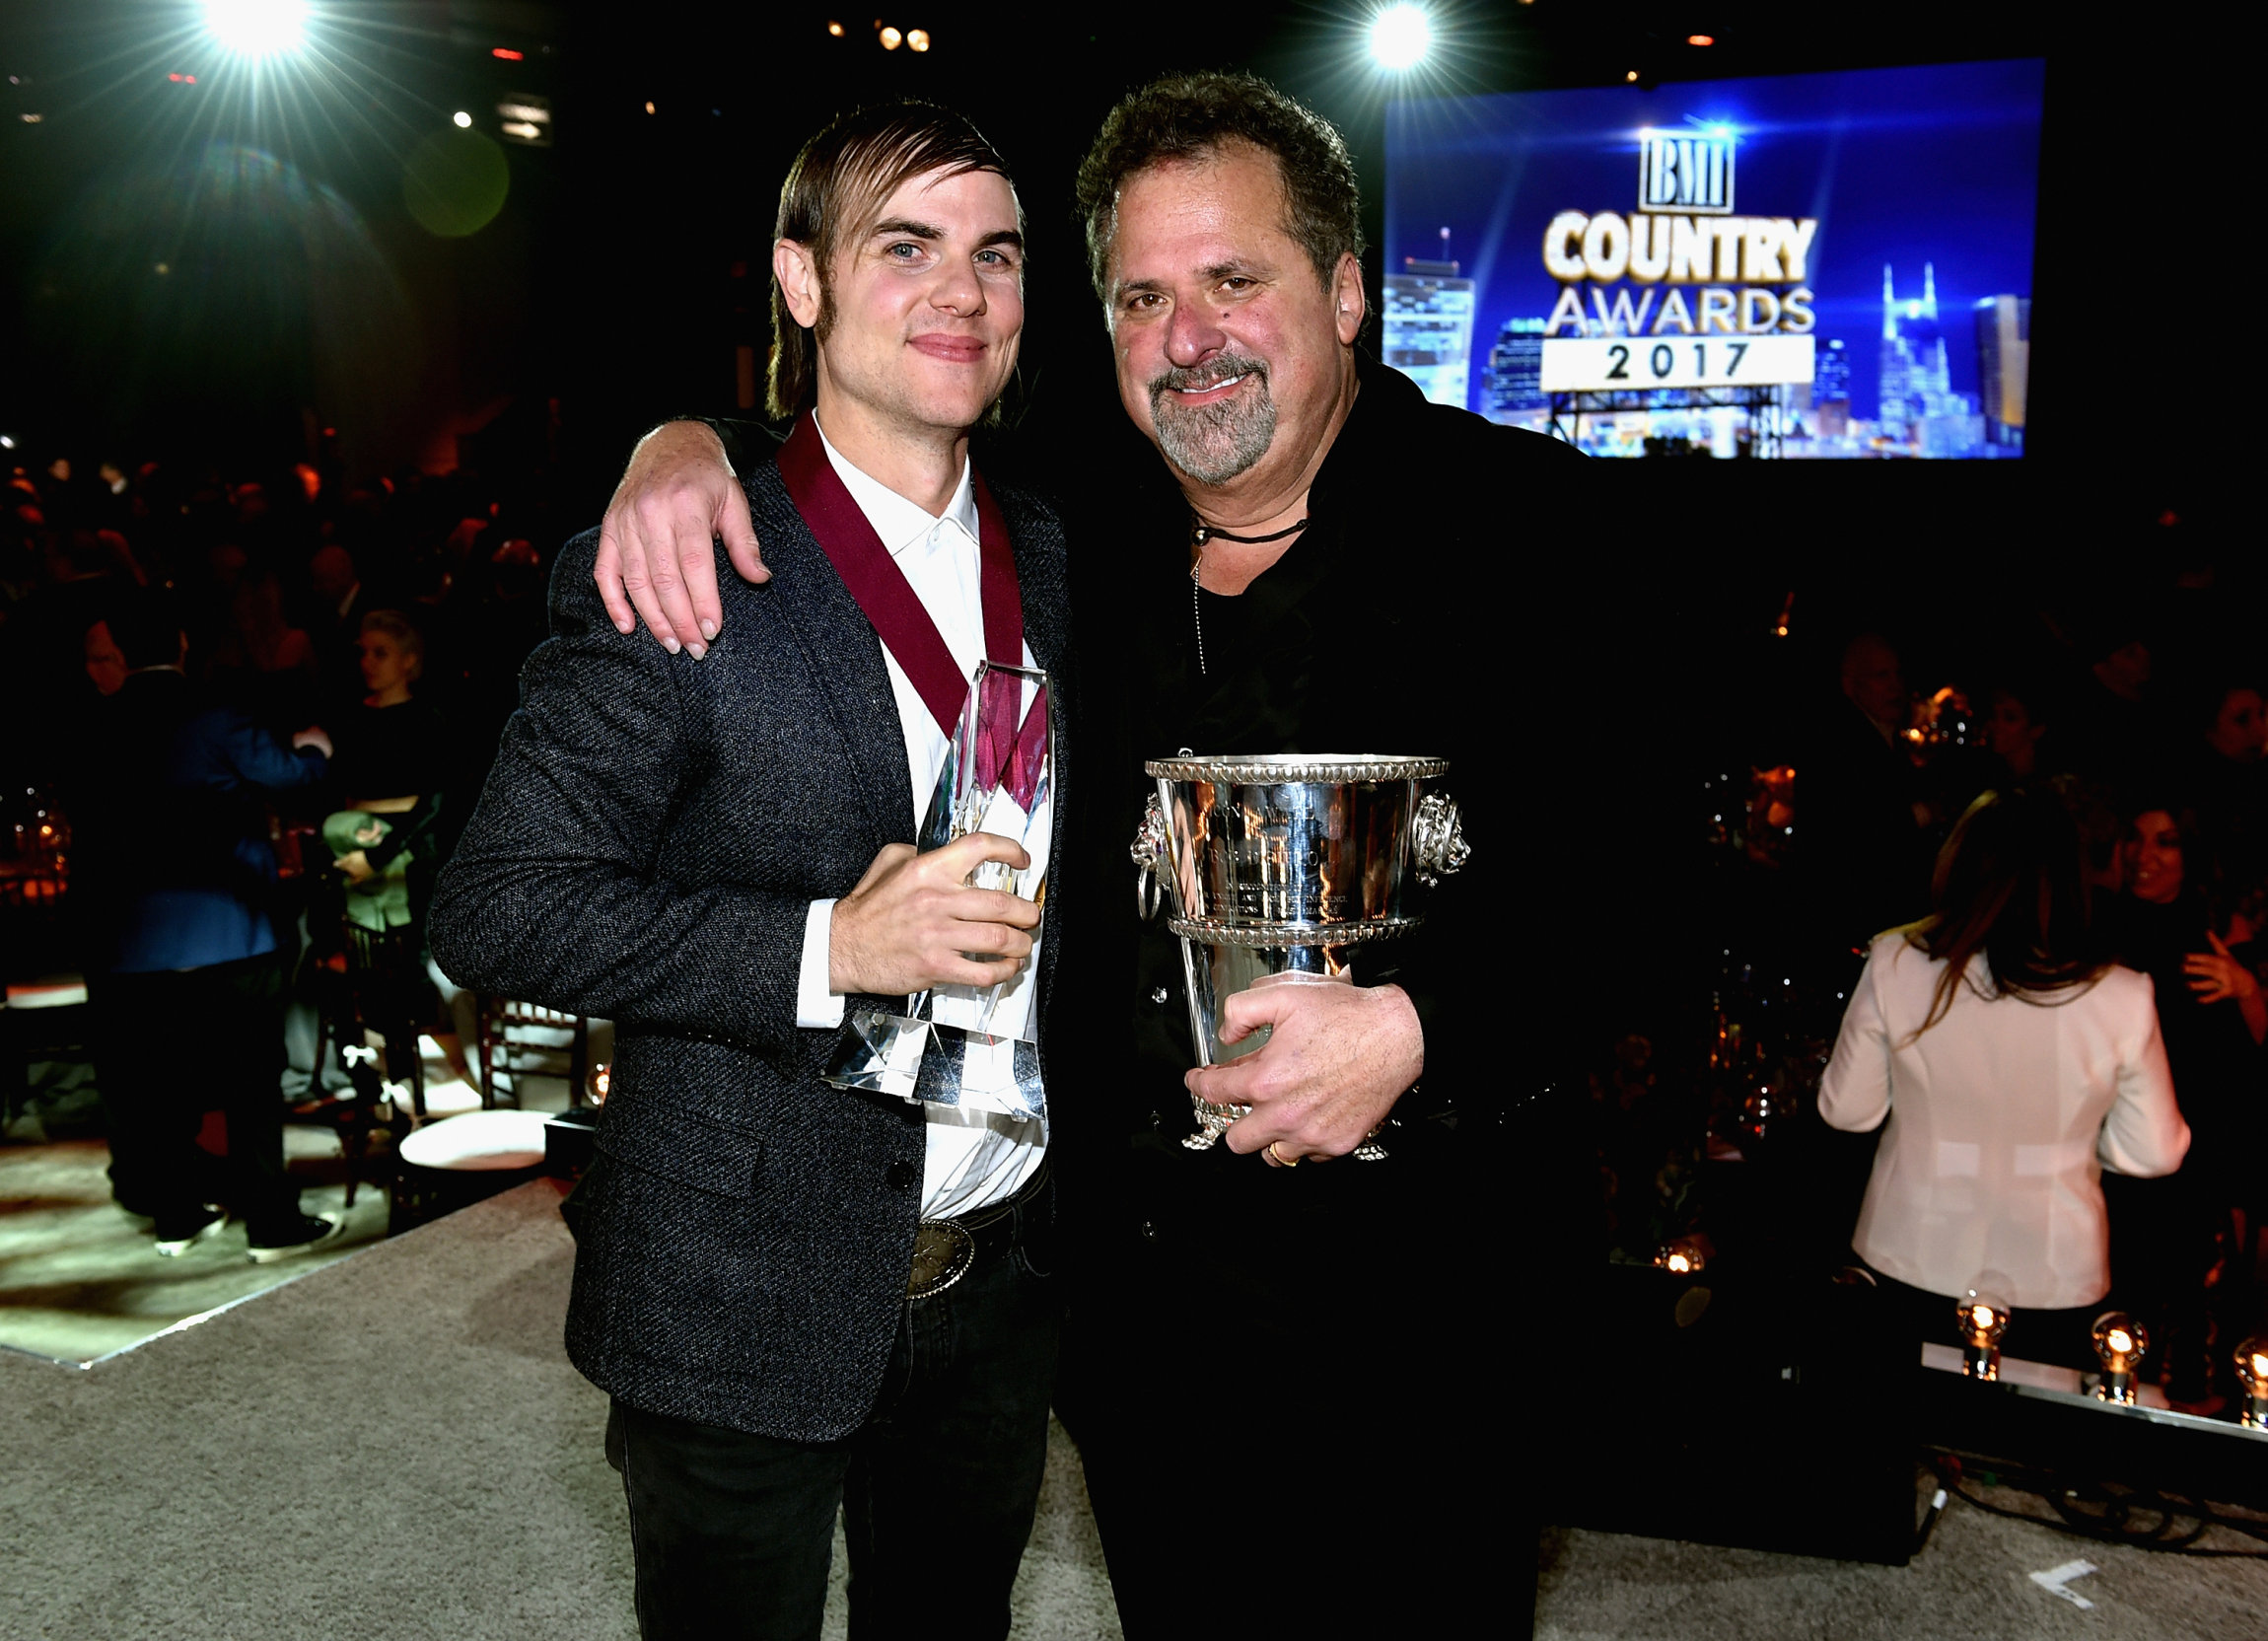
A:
(816, 1006)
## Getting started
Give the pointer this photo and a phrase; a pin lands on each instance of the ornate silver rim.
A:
(1278, 937)
(1285, 768)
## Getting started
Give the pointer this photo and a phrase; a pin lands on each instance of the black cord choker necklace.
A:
(1200, 532)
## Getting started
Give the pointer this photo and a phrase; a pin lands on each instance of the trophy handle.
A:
(1437, 847)
(1149, 852)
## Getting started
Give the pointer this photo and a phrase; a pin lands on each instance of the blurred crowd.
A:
(248, 713)
(277, 576)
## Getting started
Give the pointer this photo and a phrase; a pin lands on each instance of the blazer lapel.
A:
(845, 657)
(1044, 625)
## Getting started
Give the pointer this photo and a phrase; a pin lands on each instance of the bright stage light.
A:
(258, 28)
(891, 40)
(1400, 37)
(461, 120)
(917, 40)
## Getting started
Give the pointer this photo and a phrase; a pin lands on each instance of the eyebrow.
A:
(908, 228)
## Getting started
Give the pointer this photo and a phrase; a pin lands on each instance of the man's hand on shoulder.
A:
(656, 563)
(1337, 1058)
(914, 923)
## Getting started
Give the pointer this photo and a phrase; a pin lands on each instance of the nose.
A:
(958, 289)
(1192, 335)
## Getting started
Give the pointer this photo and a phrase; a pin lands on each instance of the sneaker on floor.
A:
(313, 1231)
(178, 1232)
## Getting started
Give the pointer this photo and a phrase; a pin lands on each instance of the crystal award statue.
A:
(967, 1046)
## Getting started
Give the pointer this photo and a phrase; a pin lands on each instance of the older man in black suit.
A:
(713, 848)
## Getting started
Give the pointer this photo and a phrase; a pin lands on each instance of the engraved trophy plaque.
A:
(967, 1046)
(1280, 869)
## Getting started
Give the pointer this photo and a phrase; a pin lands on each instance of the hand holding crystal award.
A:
(970, 1046)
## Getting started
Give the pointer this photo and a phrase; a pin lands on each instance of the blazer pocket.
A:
(681, 1147)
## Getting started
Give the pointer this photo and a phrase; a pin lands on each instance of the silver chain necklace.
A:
(1197, 613)
(1201, 536)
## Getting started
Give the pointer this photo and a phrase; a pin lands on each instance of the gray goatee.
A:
(1214, 443)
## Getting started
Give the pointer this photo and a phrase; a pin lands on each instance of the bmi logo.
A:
(1685, 171)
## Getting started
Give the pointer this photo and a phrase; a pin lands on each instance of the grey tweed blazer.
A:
(644, 850)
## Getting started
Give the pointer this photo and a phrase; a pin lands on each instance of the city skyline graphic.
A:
(1922, 183)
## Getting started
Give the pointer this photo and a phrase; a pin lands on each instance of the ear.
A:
(797, 272)
(1347, 298)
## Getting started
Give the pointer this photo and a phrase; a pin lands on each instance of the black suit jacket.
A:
(645, 849)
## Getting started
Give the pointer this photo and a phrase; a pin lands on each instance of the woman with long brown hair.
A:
(2008, 1063)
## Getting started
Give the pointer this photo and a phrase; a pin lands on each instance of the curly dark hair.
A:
(1190, 116)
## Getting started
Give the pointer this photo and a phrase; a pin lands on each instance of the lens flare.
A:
(258, 28)
(1400, 37)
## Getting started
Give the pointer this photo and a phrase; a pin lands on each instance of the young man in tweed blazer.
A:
(715, 851)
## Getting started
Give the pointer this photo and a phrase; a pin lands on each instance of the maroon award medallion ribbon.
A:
(880, 587)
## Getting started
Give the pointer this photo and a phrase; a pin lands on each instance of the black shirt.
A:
(1401, 620)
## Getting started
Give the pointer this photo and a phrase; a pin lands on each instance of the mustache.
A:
(1211, 373)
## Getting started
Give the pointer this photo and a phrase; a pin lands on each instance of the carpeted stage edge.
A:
(396, 1447)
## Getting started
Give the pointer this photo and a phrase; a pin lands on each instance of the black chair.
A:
(498, 1053)
(370, 982)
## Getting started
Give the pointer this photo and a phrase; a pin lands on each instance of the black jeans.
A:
(734, 1531)
(173, 1046)
(1295, 1399)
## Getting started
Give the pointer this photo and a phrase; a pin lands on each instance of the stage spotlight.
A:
(2120, 1341)
(836, 30)
(1400, 37)
(1700, 40)
(461, 120)
(891, 40)
(258, 28)
(917, 40)
(7, 441)
(1982, 1317)
(2252, 1374)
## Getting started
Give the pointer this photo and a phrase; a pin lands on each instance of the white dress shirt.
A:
(2000, 1119)
(975, 1158)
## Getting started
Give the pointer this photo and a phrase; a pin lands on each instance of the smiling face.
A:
(1233, 356)
(919, 320)
(2152, 853)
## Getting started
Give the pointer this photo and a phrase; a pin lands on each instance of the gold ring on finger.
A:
(1279, 1159)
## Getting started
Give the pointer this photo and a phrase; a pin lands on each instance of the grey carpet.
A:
(395, 1447)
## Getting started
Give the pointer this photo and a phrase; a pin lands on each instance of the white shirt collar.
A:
(900, 522)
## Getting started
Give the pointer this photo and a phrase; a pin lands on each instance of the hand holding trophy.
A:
(1280, 869)
(967, 1044)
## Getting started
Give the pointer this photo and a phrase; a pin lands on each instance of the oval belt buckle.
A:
(943, 1251)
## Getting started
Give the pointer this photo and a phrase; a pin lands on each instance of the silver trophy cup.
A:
(1280, 869)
